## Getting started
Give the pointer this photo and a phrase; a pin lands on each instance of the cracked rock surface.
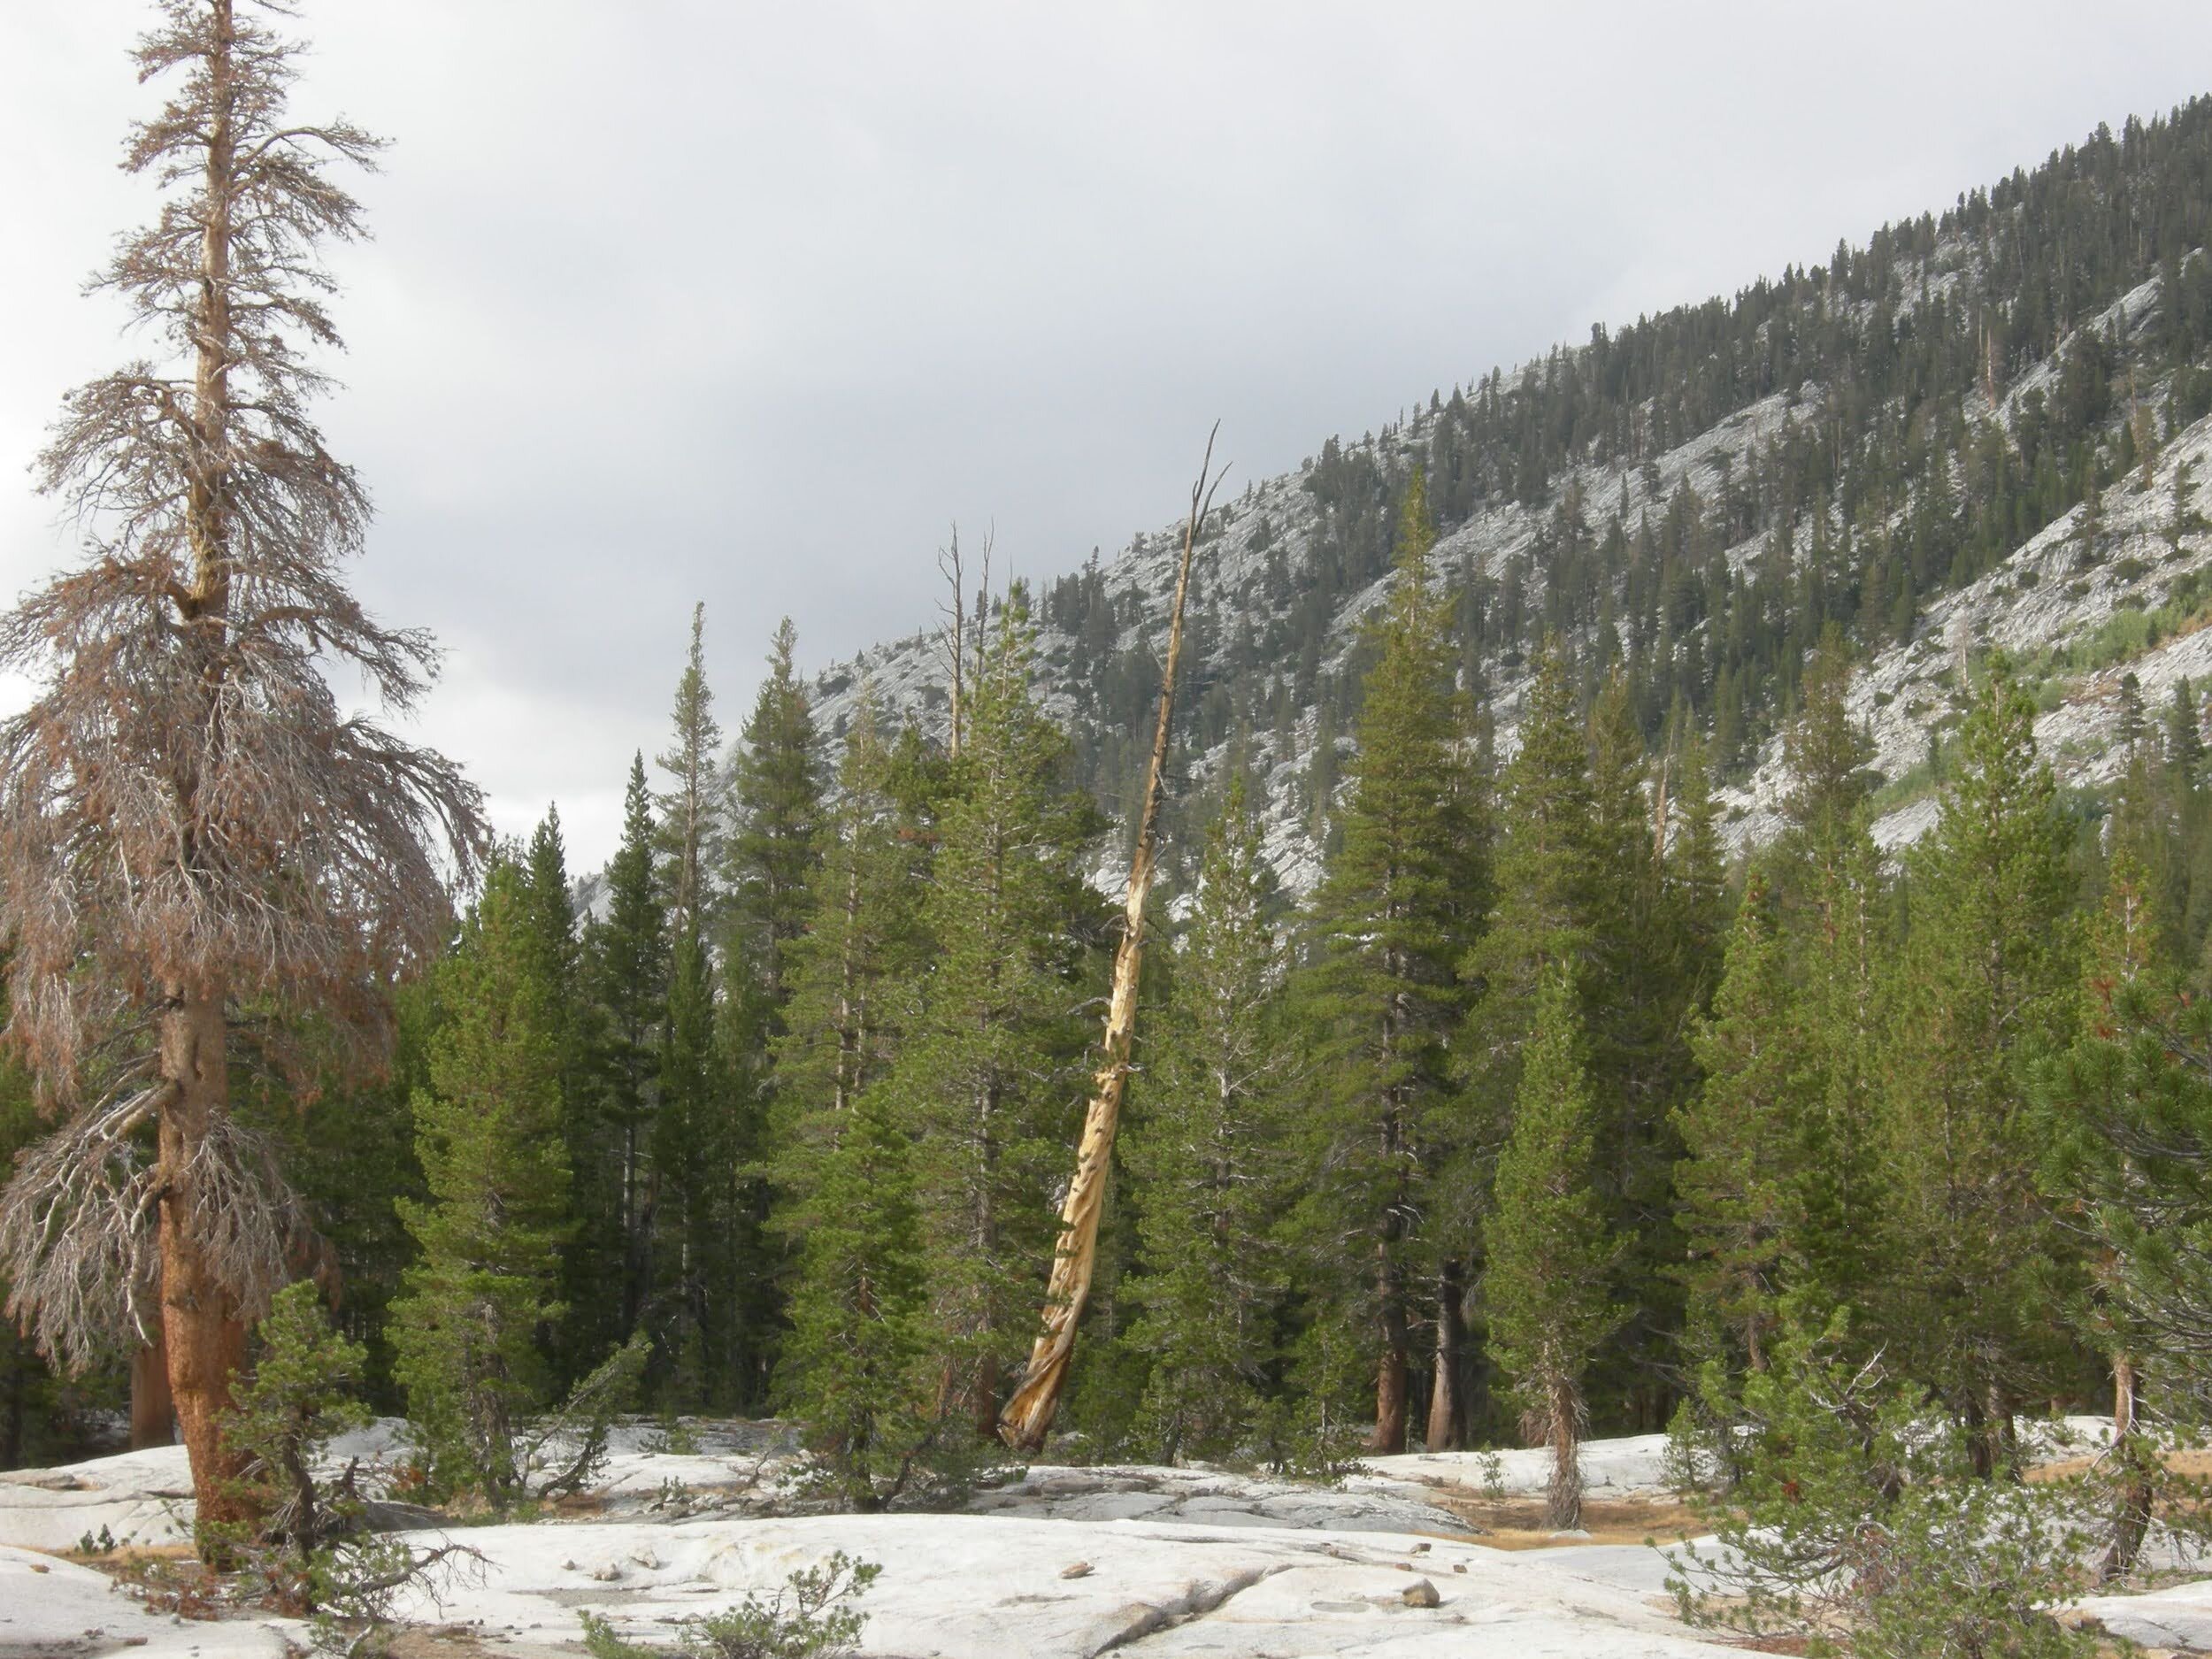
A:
(977, 1587)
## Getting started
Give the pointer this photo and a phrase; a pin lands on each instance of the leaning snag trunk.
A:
(1028, 1415)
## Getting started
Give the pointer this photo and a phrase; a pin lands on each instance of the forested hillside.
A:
(1974, 427)
(1689, 892)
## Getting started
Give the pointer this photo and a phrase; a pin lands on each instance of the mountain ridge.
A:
(2037, 477)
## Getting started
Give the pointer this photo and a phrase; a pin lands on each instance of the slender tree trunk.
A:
(1447, 1395)
(985, 1404)
(201, 1330)
(153, 1413)
(2133, 1521)
(1391, 1370)
(1563, 1496)
(1981, 1447)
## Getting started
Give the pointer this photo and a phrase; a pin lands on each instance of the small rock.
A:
(1421, 1592)
(1422, 1549)
(40, 1566)
(568, 1566)
(645, 1558)
(608, 1574)
(1076, 1569)
(1459, 1566)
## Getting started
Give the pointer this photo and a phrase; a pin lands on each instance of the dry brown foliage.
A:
(189, 814)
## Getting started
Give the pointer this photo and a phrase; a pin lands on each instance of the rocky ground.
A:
(1425, 1554)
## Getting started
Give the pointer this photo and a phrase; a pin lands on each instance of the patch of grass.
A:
(1923, 781)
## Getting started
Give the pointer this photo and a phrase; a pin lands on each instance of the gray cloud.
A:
(743, 303)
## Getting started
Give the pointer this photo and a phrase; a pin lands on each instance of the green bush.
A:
(1857, 1524)
(309, 1545)
(810, 1617)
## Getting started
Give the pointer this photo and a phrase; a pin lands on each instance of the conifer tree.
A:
(691, 810)
(1544, 882)
(706, 1241)
(1983, 993)
(1832, 920)
(203, 848)
(1742, 1149)
(1546, 1289)
(984, 1078)
(2127, 1133)
(1205, 1162)
(626, 957)
(853, 972)
(552, 928)
(588, 1283)
(854, 1366)
(777, 801)
(488, 1130)
(1652, 930)
(2185, 737)
(857, 1366)
(1541, 890)
(1381, 997)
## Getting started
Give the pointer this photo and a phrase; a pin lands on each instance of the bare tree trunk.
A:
(1391, 1369)
(1447, 1395)
(153, 1411)
(956, 615)
(1563, 1496)
(984, 1402)
(1028, 1415)
(201, 1327)
(2133, 1521)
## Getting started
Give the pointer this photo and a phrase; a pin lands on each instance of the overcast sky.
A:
(677, 300)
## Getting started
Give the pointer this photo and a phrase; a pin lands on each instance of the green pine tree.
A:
(1380, 998)
(626, 970)
(856, 1365)
(1833, 925)
(1545, 883)
(1205, 1161)
(707, 1248)
(986, 1080)
(853, 973)
(778, 801)
(1547, 1289)
(1983, 993)
(591, 1259)
(1743, 1149)
(488, 1133)
(690, 811)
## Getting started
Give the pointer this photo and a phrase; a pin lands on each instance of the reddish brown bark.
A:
(1448, 1403)
(201, 1327)
(153, 1413)
(1389, 1436)
(1563, 1494)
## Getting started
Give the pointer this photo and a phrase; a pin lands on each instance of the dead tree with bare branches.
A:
(199, 847)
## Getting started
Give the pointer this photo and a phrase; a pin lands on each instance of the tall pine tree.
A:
(488, 1133)
(1983, 993)
(1550, 1260)
(1205, 1156)
(1381, 997)
(985, 1078)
